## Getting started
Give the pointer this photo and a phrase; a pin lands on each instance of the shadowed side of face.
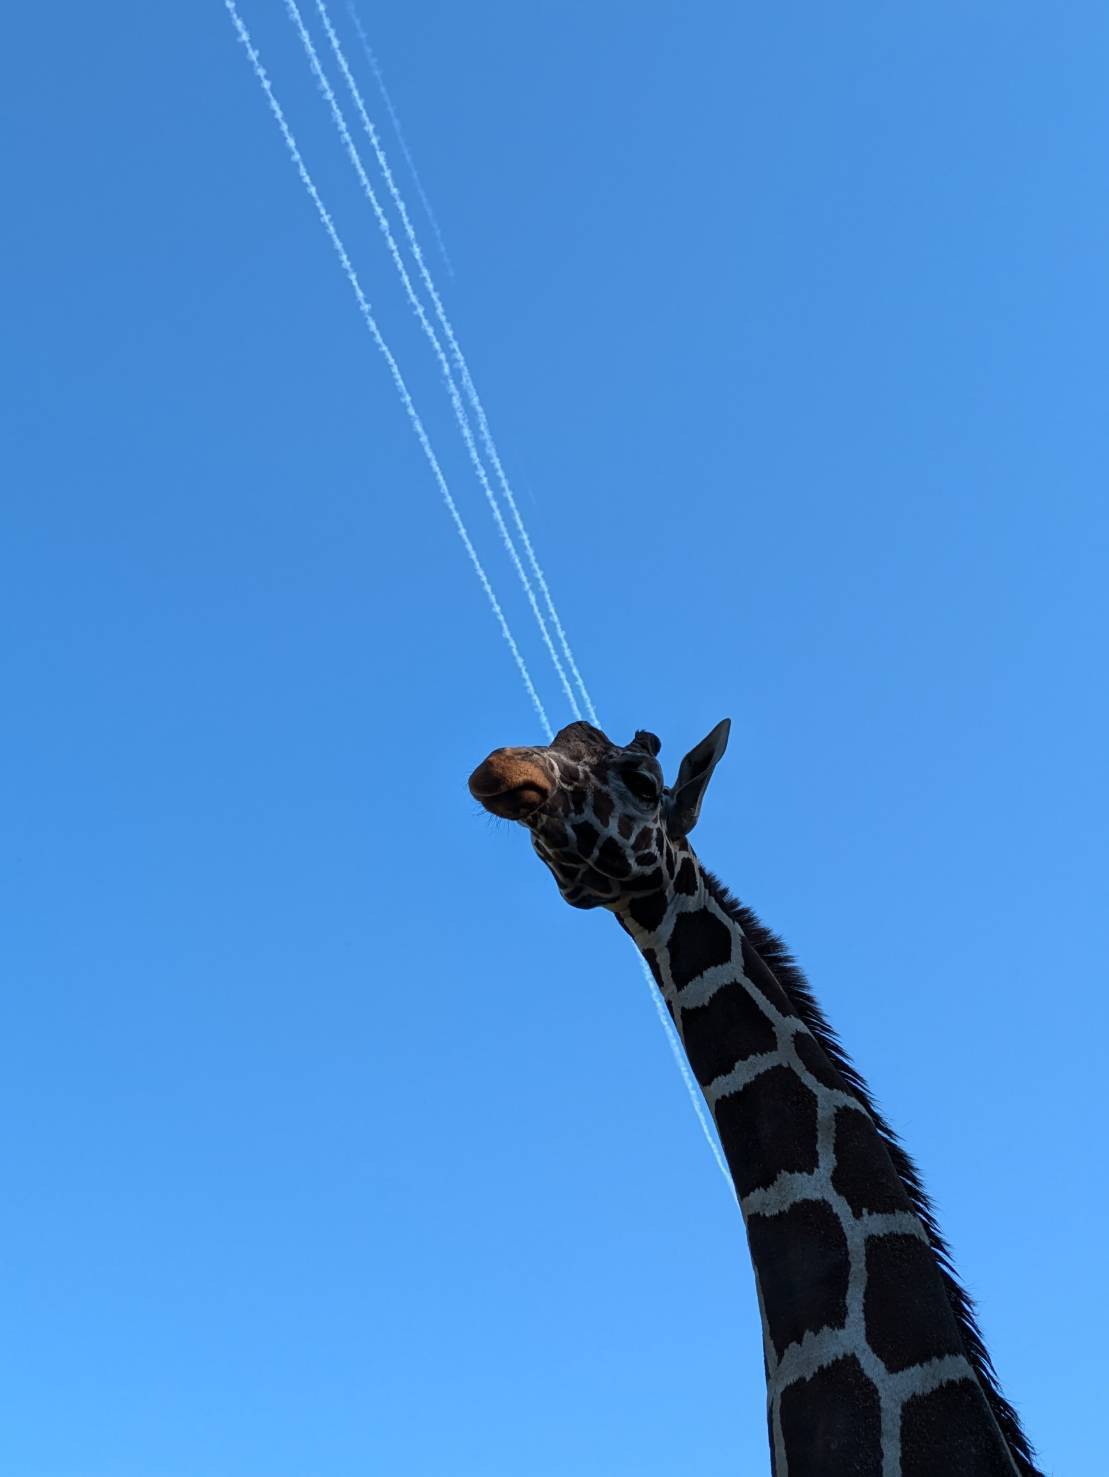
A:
(599, 815)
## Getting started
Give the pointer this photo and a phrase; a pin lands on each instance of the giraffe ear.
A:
(693, 779)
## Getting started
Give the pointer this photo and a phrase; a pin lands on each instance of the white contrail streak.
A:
(670, 1031)
(491, 451)
(364, 41)
(461, 417)
(459, 359)
(421, 435)
(394, 370)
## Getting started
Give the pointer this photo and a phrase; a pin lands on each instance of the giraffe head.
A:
(600, 817)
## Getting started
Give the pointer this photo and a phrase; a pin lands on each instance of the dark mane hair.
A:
(777, 956)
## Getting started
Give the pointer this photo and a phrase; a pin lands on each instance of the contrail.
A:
(670, 1031)
(401, 140)
(668, 1028)
(394, 370)
(421, 434)
(456, 402)
(459, 359)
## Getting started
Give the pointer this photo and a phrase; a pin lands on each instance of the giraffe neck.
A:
(873, 1364)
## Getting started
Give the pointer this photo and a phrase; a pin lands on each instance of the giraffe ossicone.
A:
(874, 1364)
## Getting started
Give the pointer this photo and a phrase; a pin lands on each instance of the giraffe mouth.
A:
(511, 785)
(517, 804)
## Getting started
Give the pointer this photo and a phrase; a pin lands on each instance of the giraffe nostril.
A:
(485, 781)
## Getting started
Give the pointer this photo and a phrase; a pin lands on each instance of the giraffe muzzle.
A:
(511, 784)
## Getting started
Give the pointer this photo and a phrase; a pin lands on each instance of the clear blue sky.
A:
(333, 1142)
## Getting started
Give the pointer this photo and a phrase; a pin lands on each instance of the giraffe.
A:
(874, 1363)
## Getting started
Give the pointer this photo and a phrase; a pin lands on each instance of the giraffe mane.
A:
(777, 956)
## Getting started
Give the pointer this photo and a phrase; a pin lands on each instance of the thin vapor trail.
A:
(421, 434)
(460, 362)
(459, 359)
(364, 41)
(456, 402)
(394, 370)
(670, 1031)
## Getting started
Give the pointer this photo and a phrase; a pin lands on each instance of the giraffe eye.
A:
(642, 785)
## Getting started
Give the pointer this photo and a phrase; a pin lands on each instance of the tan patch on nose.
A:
(511, 783)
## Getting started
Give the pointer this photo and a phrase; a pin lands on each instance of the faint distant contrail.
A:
(456, 402)
(417, 425)
(669, 1030)
(401, 140)
(394, 370)
(459, 359)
